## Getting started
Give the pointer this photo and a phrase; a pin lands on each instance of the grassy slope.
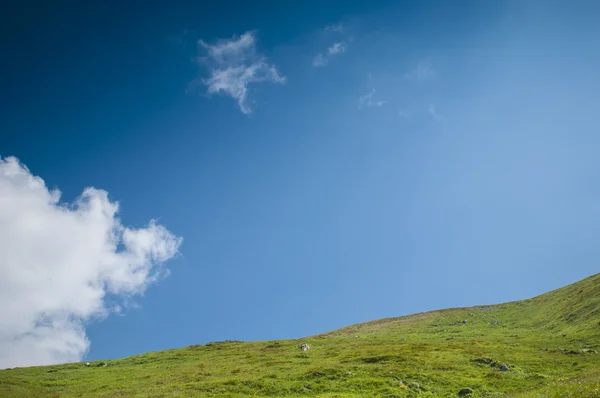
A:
(368, 360)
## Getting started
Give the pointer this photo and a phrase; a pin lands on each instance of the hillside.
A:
(540, 347)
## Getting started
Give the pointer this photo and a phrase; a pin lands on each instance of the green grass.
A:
(430, 354)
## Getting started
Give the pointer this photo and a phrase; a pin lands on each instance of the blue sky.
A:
(324, 164)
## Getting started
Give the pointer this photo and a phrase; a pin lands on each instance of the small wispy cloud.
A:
(367, 101)
(336, 28)
(337, 48)
(421, 72)
(323, 59)
(404, 113)
(433, 112)
(234, 65)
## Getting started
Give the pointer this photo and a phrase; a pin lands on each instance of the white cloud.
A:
(234, 81)
(337, 28)
(366, 101)
(60, 262)
(234, 65)
(231, 50)
(433, 112)
(320, 60)
(337, 48)
(421, 72)
(404, 113)
(323, 59)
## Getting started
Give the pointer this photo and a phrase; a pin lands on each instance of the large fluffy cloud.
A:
(59, 262)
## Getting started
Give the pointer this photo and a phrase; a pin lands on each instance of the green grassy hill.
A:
(548, 345)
